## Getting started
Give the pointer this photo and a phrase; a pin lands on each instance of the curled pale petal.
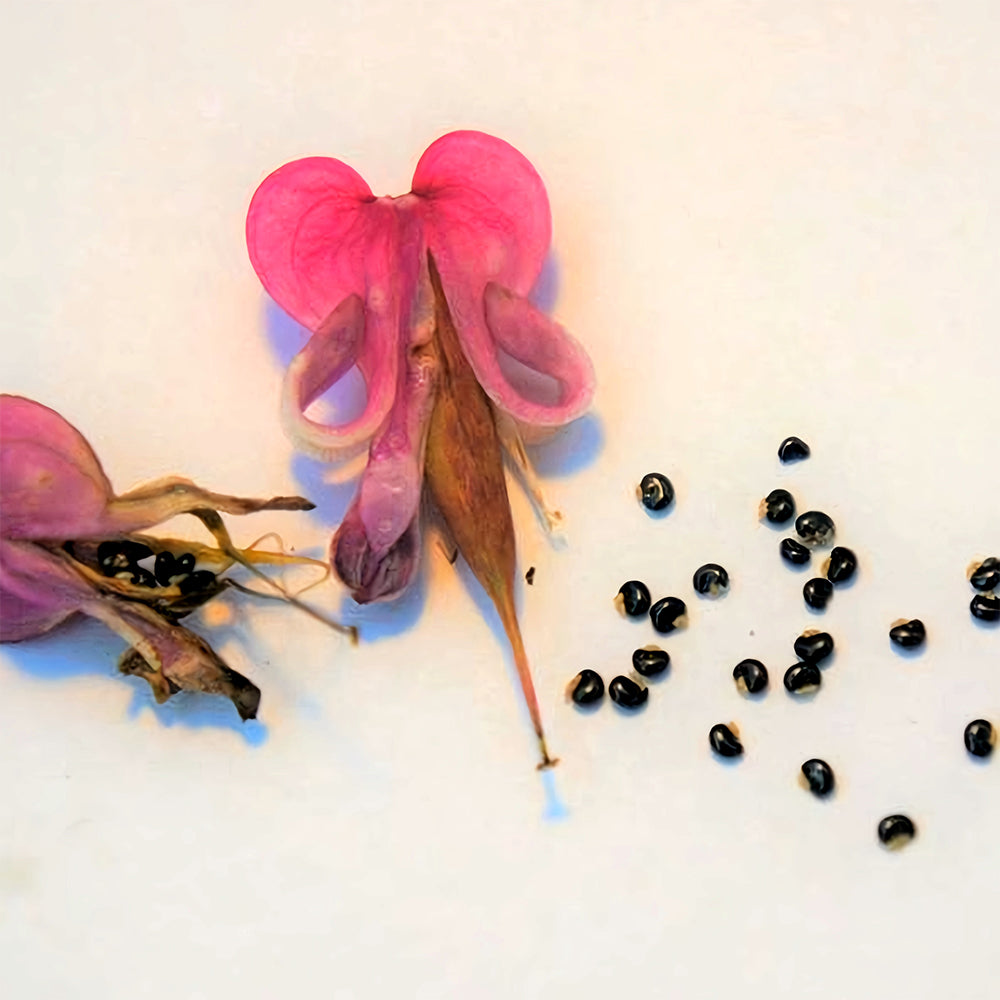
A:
(326, 358)
(51, 482)
(369, 577)
(543, 347)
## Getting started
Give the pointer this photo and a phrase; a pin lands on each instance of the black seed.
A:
(894, 831)
(908, 634)
(115, 556)
(724, 741)
(779, 506)
(985, 607)
(650, 661)
(814, 527)
(164, 568)
(529, 577)
(710, 579)
(143, 578)
(587, 687)
(625, 692)
(198, 580)
(635, 597)
(814, 647)
(986, 576)
(843, 563)
(752, 673)
(819, 775)
(656, 491)
(792, 449)
(817, 592)
(979, 738)
(794, 552)
(665, 613)
(185, 562)
(802, 677)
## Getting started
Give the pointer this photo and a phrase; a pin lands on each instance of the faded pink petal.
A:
(51, 482)
(34, 595)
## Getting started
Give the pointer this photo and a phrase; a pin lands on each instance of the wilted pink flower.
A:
(69, 544)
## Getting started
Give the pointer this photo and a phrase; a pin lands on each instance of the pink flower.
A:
(357, 271)
(69, 545)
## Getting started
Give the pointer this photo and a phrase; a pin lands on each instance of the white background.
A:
(770, 218)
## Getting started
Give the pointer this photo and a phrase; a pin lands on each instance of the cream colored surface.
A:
(770, 218)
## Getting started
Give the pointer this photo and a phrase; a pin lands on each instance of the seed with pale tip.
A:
(650, 660)
(801, 678)
(814, 647)
(896, 830)
(625, 692)
(724, 741)
(587, 687)
(819, 776)
(985, 607)
(908, 634)
(751, 675)
(633, 598)
(656, 491)
(668, 614)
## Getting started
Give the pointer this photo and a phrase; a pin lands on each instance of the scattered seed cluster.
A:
(815, 530)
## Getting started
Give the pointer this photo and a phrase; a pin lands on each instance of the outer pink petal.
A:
(51, 482)
(543, 346)
(486, 209)
(307, 234)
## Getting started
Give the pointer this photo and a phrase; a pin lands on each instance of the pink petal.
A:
(51, 482)
(307, 233)
(486, 209)
(543, 346)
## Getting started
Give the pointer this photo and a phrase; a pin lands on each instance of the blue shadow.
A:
(84, 646)
(546, 288)
(570, 449)
(285, 336)
(555, 808)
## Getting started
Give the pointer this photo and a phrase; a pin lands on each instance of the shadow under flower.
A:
(83, 646)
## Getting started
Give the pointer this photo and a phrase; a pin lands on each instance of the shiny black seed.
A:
(979, 738)
(112, 557)
(985, 607)
(792, 449)
(665, 613)
(814, 647)
(710, 579)
(650, 661)
(196, 581)
(843, 563)
(587, 687)
(794, 552)
(724, 741)
(819, 775)
(625, 692)
(635, 597)
(817, 592)
(814, 527)
(986, 576)
(529, 577)
(164, 568)
(185, 562)
(752, 673)
(801, 677)
(894, 831)
(908, 634)
(143, 578)
(779, 506)
(656, 491)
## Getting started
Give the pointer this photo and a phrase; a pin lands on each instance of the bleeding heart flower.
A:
(69, 544)
(426, 295)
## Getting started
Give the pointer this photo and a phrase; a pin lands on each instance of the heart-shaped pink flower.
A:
(354, 269)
